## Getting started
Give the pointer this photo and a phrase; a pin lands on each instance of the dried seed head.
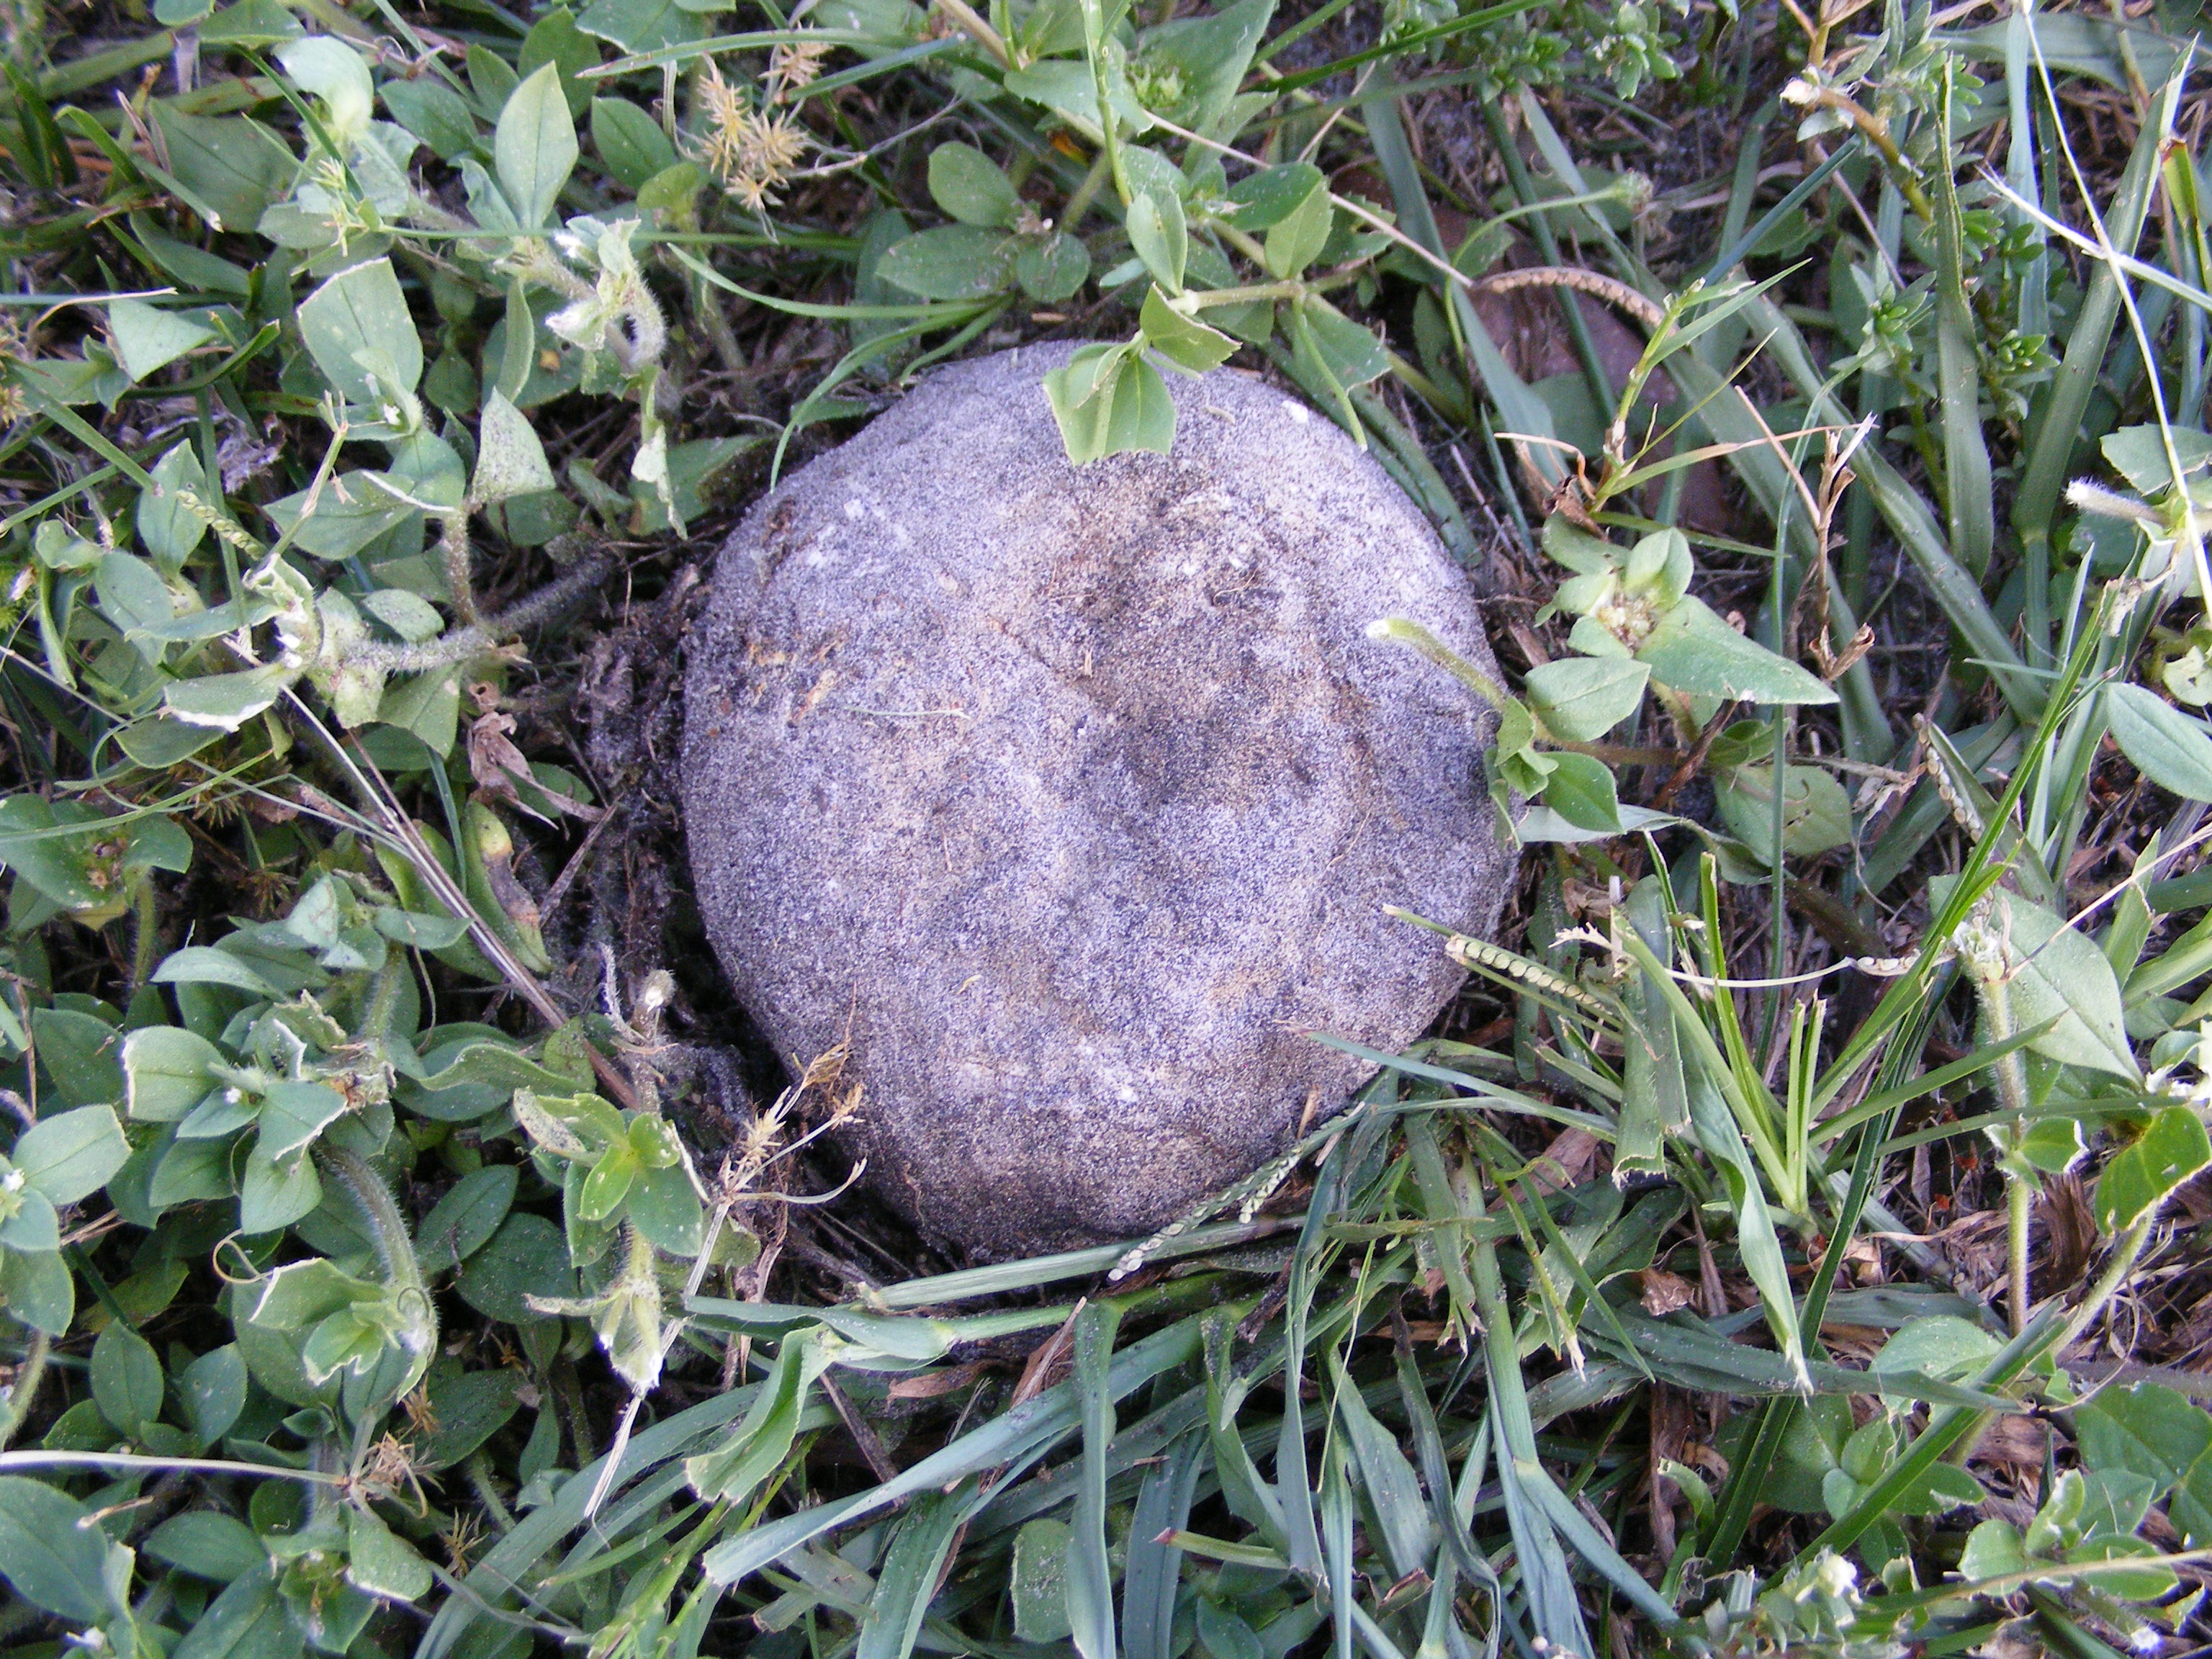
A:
(751, 152)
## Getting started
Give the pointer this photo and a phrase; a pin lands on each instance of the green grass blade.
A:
(1336, 1543)
(2057, 423)
(1552, 1606)
(1154, 1570)
(1409, 1537)
(1021, 1432)
(1090, 1581)
(907, 1582)
(1969, 500)
(1522, 412)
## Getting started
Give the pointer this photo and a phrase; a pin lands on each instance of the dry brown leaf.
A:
(1567, 1160)
(2071, 1232)
(2018, 1441)
(928, 1385)
(1048, 1362)
(497, 766)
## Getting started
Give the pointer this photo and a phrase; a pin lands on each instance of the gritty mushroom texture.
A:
(1071, 797)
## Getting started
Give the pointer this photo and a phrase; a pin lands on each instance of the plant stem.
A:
(2012, 1090)
(146, 938)
(478, 1470)
(28, 1375)
(479, 637)
(2108, 1286)
(455, 543)
(1102, 169)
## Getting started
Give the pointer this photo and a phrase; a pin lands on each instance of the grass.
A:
(1790, 1242)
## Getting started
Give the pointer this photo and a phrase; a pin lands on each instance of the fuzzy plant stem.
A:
(462, 643)
(459, 583)
(478, 1470)
(28, 1375)
(2108, 1285)
(146, 940)
(394, 1250)
(2012, 1093)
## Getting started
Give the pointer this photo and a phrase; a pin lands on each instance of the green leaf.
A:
(126, 1379)
(1039, 1587)
(246, 1621)
(1993, 1551)
(2146, 1429)
(1157, 232)
(463, 1220)
(294, 1114)
(468, 1409)
(1581, 791)
(78, 1053)
(1183, 341)
(630, 142)
(1068, 88)
(339, 528)
(169, 531)
(208, 1544)
(1223, 1632)
(2052, 1145)
(1107, 400)
(2140, 1176)
(534, 146)
(758, 1444)
(609, 1182)
(357, 327)
(2167, 747)
(510, 461)
(2138, 454)
(1264, 199)
(1051, 268)
(166, 1072)
(665, 1206)
(1690, 649)
(213, 1391)
(1347, 352)
(223, 702)
(147, 338)
(55, 1554)
(554, 38)
(955, 262)
(273, 1195)
(1940, 1347)
(38, 1290)
(435, 113)
(71, 1156)
(526, 1257)
(1816, 813)
(382, 1562)
(34, 1227)
(640, 25)
(333, 71)
(232, 164)
(1295, 240)
(1212, 52)
(2062, 975)
(970, 186)
(205, 964)
(1580, 699)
